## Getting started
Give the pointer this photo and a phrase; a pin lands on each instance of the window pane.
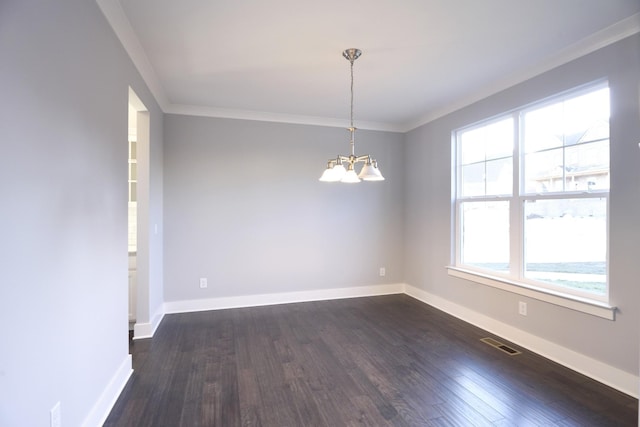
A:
(587, 166)
(586, 117)
(543, 171)
(565, 243)
(543, 128)
(499, 139)
(473, 180)
(492, 141)
(472, 146)
(500, 176)
(485, 235)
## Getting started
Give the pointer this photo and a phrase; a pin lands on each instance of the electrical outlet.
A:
(56, 420)
(522, 308)
(203, 282)
(383, 271)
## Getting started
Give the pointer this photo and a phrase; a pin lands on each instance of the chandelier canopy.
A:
(336, 170)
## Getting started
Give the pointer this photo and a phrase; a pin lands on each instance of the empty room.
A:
(384, 213)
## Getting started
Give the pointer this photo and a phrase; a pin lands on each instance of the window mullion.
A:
(457, 191)
(515, 207)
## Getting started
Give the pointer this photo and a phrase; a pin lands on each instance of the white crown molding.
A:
(193, 110)
(616, 32)
(113, 11)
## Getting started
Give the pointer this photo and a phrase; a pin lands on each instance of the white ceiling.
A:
(280, 60)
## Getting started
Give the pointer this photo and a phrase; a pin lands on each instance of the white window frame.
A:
(515, 281)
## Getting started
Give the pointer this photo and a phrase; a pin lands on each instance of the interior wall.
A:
(64, 79)
(244, 209)
(149, 261)
(428, 242)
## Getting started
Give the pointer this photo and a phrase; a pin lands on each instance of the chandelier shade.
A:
(336, 170)
(370, 172)
(333, 173)
(350, 177)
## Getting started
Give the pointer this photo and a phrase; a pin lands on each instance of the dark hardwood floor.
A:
(379, 361)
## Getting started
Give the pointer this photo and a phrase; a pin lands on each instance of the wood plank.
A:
(379, 361)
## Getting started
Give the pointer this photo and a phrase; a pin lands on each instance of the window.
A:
(531, 195)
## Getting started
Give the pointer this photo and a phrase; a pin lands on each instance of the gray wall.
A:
(428, 211)
(244, 208)
(64, 81)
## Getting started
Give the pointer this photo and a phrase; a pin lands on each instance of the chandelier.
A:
(336, 170)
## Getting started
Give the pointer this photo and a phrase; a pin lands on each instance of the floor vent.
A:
(497, 344)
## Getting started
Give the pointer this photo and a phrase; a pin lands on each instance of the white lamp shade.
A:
(333, 174)
(350, 177)
(370, 173)
(328, 175)
(339, 172)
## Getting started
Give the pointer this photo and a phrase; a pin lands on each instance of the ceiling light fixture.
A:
(336, 170)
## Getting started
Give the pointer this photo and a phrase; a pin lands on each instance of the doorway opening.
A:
(137, 207)
(132, 214)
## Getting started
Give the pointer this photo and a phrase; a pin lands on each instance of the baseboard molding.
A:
(146, 330)
(606, 374)
(101, 409)
(186, 306)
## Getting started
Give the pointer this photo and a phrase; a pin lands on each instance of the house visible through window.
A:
(531, 196)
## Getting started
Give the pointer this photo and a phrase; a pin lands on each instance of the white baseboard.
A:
(606, 374)
(186, 306)
(146, 330)
(109, 396)
(599, 371)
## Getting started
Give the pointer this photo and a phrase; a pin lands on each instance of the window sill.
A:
(572, 302)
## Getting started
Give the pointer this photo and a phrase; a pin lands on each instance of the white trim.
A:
(146, 330)
(136, 102)
(185, 306)
(228, 113)
(117, 18)
(605, 37)
(606, 374)
(115, 15)
(583, 305)
(103, 406)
